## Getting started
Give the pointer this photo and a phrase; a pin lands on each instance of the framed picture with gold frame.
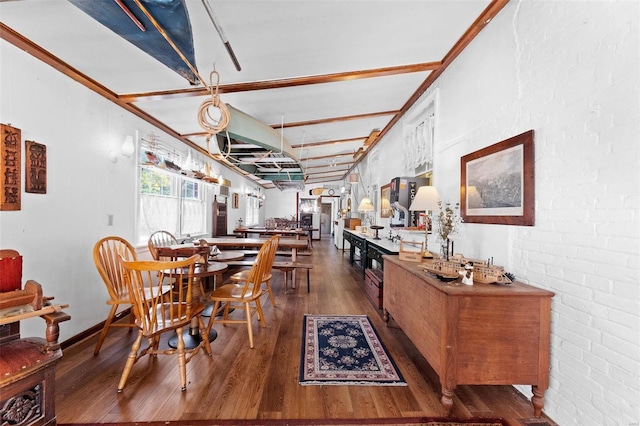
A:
(385, 201)
(235, 200)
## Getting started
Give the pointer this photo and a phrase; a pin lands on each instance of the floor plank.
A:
(237, 382)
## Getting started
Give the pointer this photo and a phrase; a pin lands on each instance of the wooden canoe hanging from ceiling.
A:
(125, 18)
(260, 150)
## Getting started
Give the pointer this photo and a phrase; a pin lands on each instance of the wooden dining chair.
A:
(242, 276)
(106, 256)
(160, 239)
(157, 313)
(246, 293)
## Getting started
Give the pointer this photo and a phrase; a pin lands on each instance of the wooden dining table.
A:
(296, 232)
(292, 244)
(185, 250)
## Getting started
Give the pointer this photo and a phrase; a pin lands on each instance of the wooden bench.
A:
(278, 253)
(285, 266)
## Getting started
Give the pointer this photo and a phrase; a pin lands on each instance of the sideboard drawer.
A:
(373, 286)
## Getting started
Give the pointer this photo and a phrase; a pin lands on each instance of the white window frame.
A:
(419, 136)
(173, 212)
(252, 211)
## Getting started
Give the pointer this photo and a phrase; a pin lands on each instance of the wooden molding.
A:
(282, 83)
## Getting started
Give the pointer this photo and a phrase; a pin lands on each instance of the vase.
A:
(446, 249)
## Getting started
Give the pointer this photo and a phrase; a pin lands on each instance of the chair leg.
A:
(227, 306)
(273, 299)
(204, 335)
(182, 361)
(130, 361)
(214, 312)
(260, 313)
(105, 329)
(247, 309)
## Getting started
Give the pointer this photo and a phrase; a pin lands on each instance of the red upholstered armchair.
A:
(11, 267)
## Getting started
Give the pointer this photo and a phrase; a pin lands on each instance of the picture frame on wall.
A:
(235, 200)
(10, 168)
(385, 201)
(35, 167)
(497, 183)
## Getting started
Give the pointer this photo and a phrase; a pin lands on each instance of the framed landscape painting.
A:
(497, 183)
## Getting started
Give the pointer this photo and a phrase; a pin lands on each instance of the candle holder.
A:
(376, 228)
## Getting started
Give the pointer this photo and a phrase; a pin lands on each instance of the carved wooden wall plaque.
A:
(35, 167)
(10, 163)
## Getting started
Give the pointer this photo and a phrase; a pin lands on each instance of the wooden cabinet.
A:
(27, 365)
(28, 382)
(219, 225)
(481, 334)
(373, 286)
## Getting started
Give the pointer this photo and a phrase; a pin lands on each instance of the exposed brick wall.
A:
(570, 70)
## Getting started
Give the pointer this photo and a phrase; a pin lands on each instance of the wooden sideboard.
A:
(481, 334)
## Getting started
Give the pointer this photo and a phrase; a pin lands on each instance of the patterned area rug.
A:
(345, 350)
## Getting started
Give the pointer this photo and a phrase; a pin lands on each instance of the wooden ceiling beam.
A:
(281, 83)
(324, 179)
(335, 119)
(324, 166)
(330, 171)
(333, 142)
(329, 156)
(327, 175)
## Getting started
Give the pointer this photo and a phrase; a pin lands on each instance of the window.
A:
(252, 211)
(418, 137)
(172, 203)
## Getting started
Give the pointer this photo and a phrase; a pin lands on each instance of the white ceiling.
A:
(275, 41)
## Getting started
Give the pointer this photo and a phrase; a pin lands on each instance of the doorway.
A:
(325, 220)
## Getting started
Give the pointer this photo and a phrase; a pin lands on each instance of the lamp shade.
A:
(426, 199)
(365, 205)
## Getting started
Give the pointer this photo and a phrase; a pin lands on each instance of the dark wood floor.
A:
(242, 383)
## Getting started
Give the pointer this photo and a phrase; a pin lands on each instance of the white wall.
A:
(55, 232)
(570, 70)
(281, 204)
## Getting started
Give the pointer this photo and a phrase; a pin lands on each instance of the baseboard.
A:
(91, 331)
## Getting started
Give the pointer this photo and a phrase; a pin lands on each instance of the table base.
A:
(192, 338)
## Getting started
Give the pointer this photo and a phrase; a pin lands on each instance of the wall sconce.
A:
(128, 148)
(113, 157)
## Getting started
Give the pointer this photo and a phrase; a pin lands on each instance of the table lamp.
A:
(366, 206)
(426, 199)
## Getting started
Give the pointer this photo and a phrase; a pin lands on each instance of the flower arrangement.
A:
(449, 221)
